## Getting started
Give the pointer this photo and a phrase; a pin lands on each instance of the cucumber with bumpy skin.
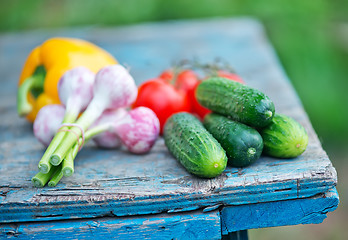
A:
(284, 137)
(243, 144)
(193, 146)
(238, 101)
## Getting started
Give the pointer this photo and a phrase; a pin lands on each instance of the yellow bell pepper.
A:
(45, 65)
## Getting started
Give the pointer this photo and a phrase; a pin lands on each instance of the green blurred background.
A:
(311, 40)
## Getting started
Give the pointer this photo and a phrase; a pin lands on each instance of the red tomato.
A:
(167, 75)
(196, 107)
(186, 80)
(162, 98)
(232, 76)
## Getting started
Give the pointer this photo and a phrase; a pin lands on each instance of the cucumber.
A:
(193, 146)
(284, 137)
(243, 144)
(238, 101)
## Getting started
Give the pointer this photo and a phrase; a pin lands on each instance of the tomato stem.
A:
(178, 68)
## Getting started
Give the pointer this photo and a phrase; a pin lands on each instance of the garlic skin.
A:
(75, 89)
(114, 87)
(109, 138)
(139, 130)
(47, 122)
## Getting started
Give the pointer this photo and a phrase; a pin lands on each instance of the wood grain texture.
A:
(194, 225)
(281, 213)
(116, 183)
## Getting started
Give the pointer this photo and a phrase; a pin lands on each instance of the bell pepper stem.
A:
(23, 105)
(36, 81)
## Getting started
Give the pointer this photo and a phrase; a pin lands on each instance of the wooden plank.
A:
(118, 183)
(194, 225)
(281, 213)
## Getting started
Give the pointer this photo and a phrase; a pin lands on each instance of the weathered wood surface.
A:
(115, 183)
(280, 213)
(194, 225)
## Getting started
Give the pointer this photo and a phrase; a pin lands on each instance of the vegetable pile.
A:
(243, 122)
(76, 92)
(236, 120)
(173, 91)
(93, 106)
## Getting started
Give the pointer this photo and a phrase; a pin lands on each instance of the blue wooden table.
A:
(114, 194)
